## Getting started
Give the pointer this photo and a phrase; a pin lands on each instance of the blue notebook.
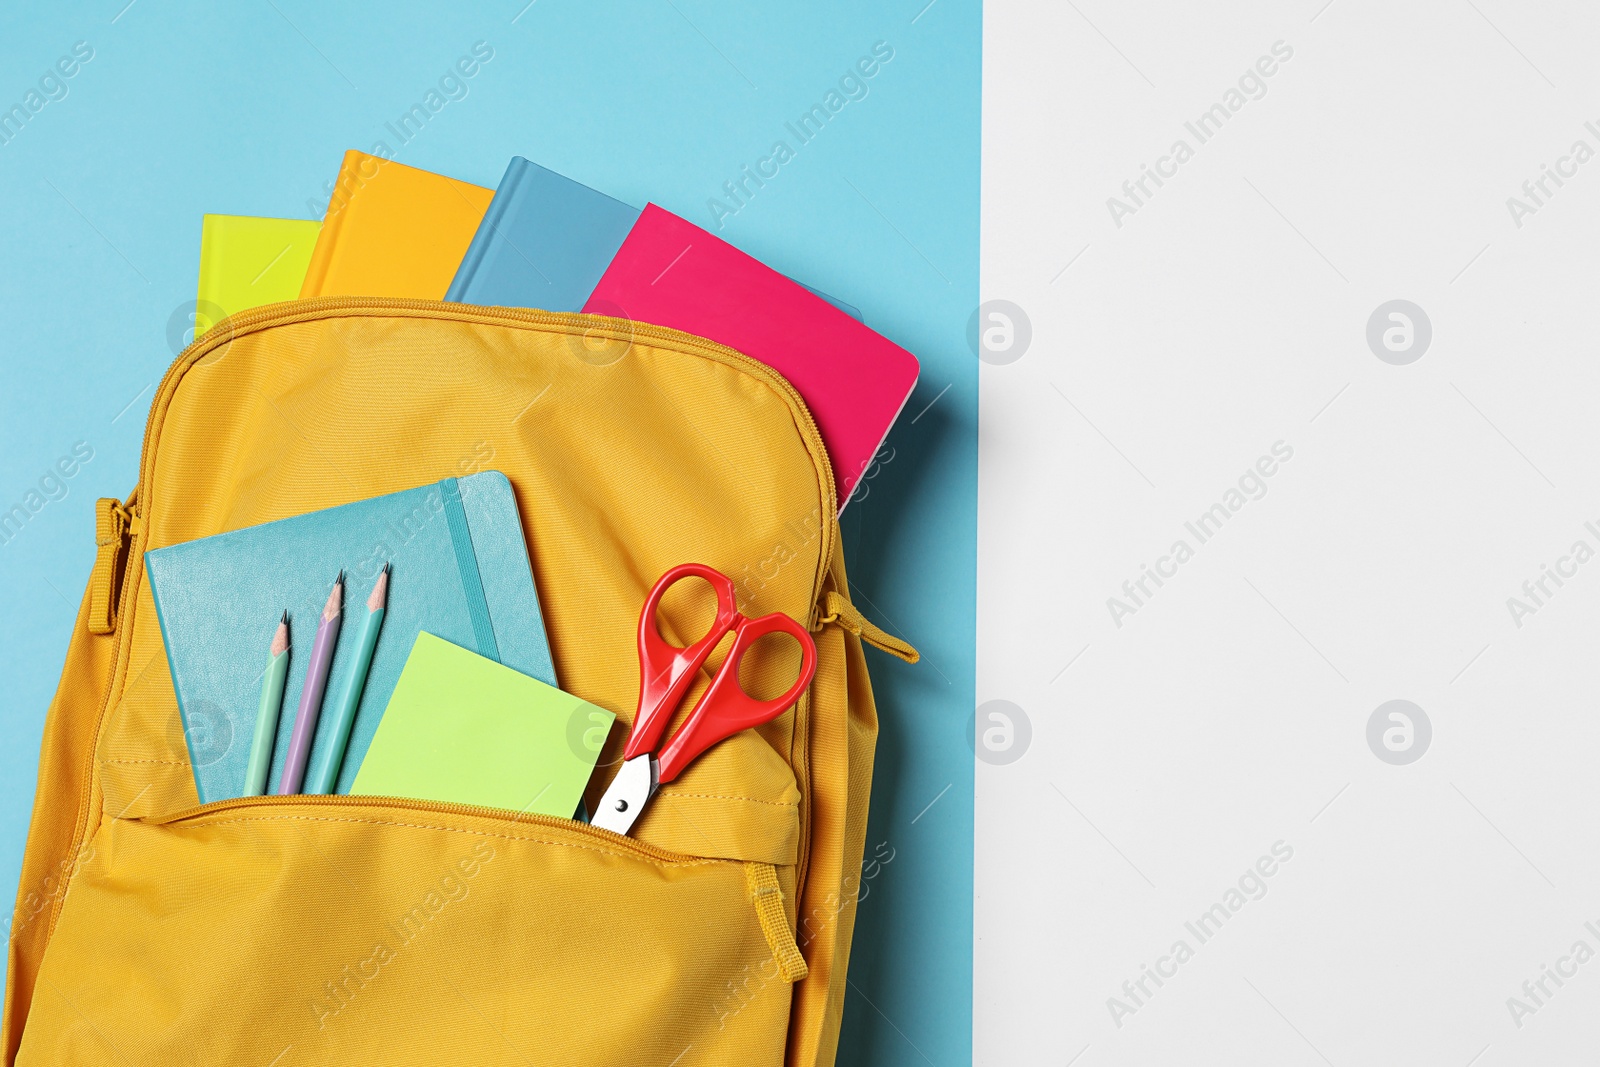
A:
(459, 569)
(545, 241)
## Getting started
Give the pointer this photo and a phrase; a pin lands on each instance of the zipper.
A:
(249, 321)
(114, 527)
(839, 610)
(761, 879)
(613, 841)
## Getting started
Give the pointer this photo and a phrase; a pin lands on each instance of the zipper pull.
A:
(112, 524)
(837, 608)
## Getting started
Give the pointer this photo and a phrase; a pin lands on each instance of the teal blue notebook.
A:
(459, 569)
(545, 242)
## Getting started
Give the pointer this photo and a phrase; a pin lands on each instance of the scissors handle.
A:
(665, 671)
(725, 708)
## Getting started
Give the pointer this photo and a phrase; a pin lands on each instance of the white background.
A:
(1229, 313)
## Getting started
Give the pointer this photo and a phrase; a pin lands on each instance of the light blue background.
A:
(186, 108)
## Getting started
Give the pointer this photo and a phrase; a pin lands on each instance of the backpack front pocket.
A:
(356, 930)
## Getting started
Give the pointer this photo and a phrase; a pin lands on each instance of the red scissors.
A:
(666, 673)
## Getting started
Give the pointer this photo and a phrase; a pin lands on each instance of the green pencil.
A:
(324, 778)
(255, 778)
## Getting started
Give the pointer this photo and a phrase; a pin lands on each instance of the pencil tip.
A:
(335, 599)
(380, 590)
(280, 637)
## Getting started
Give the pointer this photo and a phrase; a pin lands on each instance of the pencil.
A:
(255, 776)
(305, 721)
(342, 716)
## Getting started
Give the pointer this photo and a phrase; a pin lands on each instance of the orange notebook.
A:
(393, 230)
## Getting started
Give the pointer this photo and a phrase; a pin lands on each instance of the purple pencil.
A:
(305, 721)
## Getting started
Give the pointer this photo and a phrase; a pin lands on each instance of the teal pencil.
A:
(255, 777)
(343, 717)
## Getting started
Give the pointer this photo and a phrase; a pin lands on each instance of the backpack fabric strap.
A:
(110, 530)
(837, 608)
(762, 881)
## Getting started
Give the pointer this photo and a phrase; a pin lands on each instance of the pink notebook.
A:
(672, 273)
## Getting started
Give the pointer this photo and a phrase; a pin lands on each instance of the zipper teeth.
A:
(471, 312)
(432, 807)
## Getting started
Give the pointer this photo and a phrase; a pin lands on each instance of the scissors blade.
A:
(625, 798)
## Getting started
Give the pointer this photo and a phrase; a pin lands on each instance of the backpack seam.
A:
(698, 861)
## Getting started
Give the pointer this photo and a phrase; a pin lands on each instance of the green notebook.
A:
(466, 730)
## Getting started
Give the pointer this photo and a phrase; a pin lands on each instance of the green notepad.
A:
(247, 262)
(464, 729)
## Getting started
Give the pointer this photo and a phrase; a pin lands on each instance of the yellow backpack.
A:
(357, 930)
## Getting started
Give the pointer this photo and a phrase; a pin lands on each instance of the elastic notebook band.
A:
(467, 563)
